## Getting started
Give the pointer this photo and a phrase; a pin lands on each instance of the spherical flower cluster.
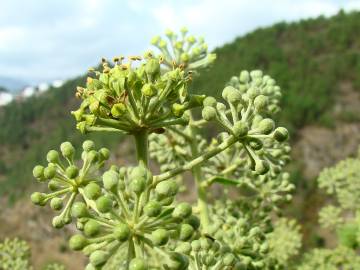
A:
(284, 242)
(65, 179)
(170, 149)
(127, 99)
(247, 119)
(331, 259)
(207, 253)
(266, 86)
(245, 223)
(130, 213)
(342, 181)
(14, 255)
(244, 232)
(330, 217)
(189, 52)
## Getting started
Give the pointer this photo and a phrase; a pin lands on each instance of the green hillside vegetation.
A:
(309, 59)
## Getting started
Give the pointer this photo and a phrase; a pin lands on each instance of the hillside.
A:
(315, 61)
(310, 60)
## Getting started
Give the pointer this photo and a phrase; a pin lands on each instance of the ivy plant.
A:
(15, 255)
(341, 218)
(134, 218)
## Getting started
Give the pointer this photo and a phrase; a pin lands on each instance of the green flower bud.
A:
(155, 40)
(49, 172)
(122, 232)
(91, 228)
(54, 185)
(260, 102)
(152, 67)
(185, 57)
(256, 74)
(165, 201)
(38, 198)
(72, 171)
(88, 145)
(138, 264)
(138, 172)
(178, 261)
(195, 245)
(227, 90)
(253, 92)
(79, 210)
(104, 204)
(98, 257)
(92, 156)
(167, 188)
(191, 39)
(56, 204)
(137, 185)
(228, 259)
(184, 248)
(266, 126)
(118, 110)
(148, 90)
(52, 156)
(255, 144)
(160, 237)
(261, 167)
(182, 210)
(110, 179)
(194, 221)
(281, 134)
(104, 153)
(186, 231)
(38, 171)
(221, 107)
(67, 149)
(58, 222)
(205, 243)
(209, 101)
(77, 242)
(92, 191)
(244, 76)
(208, 113)
(232, 95)
(152, 209)
(240, 129)
(178, 109)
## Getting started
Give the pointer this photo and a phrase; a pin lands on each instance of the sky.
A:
(42, 40)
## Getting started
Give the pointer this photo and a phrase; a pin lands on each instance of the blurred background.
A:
(312, 49)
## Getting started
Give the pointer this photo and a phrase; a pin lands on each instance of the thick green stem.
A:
(196, 161)
(141, 141)
(198, 177)
(201, 192)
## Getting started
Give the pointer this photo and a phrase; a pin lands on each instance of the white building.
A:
(28, 91)
(57, 83)
(5, 98)
(43, 87)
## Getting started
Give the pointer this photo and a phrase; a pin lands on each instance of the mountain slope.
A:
(309, 59)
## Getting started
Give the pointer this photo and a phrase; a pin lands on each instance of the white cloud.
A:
(10, 35)
(61, 38)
